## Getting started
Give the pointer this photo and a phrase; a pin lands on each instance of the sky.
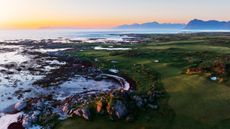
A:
(107, 13)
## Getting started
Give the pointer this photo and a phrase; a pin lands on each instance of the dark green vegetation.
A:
(189, 101)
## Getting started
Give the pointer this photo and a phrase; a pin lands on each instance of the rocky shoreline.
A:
(50, 94)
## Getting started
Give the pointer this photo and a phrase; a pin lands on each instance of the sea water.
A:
(110, 34)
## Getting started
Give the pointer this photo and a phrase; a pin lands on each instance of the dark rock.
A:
(10, 72)
(139, 101)
(19, 69)
(9, 98)
(15, 125)
(129, 118)
(120, 109)
(152, 106)
(11, 65)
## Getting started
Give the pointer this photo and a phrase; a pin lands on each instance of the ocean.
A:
(38, 34)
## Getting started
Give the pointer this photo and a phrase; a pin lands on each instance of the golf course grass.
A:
(189, 101)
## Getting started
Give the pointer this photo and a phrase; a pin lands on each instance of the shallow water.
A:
(12, 56)
(38, 34)
(9, 83)
(18, 85)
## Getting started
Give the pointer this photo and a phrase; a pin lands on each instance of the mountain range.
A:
(192, 25)
(152, 25)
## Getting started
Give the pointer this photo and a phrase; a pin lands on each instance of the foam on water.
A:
(50, 50)
(14, 56)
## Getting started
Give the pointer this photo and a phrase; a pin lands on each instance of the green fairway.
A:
(197, 101)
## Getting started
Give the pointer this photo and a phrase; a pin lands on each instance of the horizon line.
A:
(101, 27)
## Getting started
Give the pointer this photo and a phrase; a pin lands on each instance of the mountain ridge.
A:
(195, 24)
(152, 25)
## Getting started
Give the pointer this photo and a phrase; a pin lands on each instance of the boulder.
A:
(99, 106)
(120, 109)
(11, 65)
(86, 113)
(151, 99)
(15, 125)
(139, 101)
(152, 106)
(19, 106)
(129, 118)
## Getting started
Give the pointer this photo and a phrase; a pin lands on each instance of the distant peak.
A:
(196, 20)
(154, 22)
